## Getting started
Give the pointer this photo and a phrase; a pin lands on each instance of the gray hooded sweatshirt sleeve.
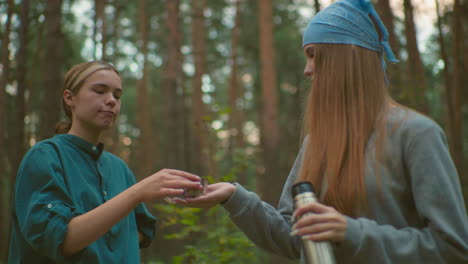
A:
(416, 211)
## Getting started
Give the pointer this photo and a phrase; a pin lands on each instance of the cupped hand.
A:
(215, 193)
(319, 222)
(166, 182)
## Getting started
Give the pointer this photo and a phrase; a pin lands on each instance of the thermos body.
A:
(315, 252)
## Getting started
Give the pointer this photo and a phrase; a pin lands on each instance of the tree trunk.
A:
(112, 136)
(172, 75)
(18, 128)
(50, 110)
(456, 92)
(270, 183)
(36, 93)
(417, 81)
(5, 77)
(16, 132)
(464, 20)
(393, 69)
(118, 5)
(269, 128)
(200, 157)
(102, 17)
(235, 95)
(5, 181)
(143, 111)
(446, 94)
(98, 25)
(174, 148)
(317, 6)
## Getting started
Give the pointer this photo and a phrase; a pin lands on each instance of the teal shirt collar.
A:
(94, 151)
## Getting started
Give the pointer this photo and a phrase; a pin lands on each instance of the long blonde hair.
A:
(347, 103)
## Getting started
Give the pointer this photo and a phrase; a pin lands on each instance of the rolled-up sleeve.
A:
(42, 204)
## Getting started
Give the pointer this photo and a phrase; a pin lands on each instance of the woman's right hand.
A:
(215, 194)
(166, 182)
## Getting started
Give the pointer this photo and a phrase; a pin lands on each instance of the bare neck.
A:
(89, 135)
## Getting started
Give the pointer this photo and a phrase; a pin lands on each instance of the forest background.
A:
(214, 87)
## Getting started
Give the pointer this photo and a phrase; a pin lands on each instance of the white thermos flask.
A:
(315, 252)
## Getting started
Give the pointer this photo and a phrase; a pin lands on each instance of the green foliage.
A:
(212, 236)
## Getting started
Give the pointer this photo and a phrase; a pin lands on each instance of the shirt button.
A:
(49, 206)
(94, 148)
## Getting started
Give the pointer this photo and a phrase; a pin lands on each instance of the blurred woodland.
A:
(214, 87)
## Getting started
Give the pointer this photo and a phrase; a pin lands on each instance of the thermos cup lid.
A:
(302, 187)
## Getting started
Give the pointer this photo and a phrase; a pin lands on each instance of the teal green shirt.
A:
(64, 177)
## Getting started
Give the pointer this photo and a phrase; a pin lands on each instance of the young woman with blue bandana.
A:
(388, 188)
(74, 202)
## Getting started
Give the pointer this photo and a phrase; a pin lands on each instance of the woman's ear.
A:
(68, 97)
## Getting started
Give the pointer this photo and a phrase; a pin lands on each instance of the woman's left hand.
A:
(215, 194)
(323, 223)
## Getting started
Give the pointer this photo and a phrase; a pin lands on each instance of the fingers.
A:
(168, 174)
(317, 208)
(199, 202)
(180, 173)
(183, 201)
(319, 222)
(167, 192)
(215, 194)
(312, 219)
(202, 199)
(317, 228)
(181, 184)
(174, 179)
(167, 183)
(322, 232)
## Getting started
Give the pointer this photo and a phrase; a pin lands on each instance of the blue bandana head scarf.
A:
(350, 22)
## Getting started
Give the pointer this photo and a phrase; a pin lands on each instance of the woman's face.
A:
(309, 52)
(97, 104)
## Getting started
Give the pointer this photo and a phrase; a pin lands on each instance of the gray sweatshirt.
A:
(416, 211)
